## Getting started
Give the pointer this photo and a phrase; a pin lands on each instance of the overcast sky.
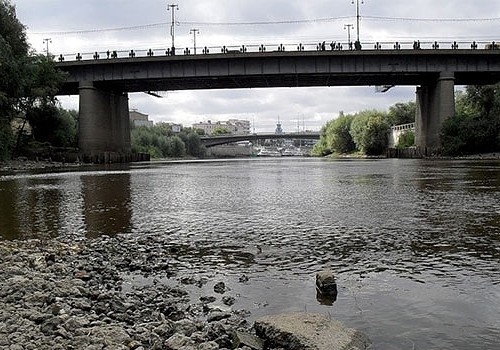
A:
(92, 25)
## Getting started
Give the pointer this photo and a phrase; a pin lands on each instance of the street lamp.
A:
(358, 43)
(172, 8)
(348, 27)
(47, 41)
(194, 31)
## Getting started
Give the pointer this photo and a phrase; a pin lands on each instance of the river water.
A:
(414, 244)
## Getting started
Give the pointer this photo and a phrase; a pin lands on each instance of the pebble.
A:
(70, 294)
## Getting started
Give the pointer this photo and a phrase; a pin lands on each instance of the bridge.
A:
(211, 141)
(103, 83)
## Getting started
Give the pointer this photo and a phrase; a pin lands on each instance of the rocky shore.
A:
(74, 294)
(70, 295)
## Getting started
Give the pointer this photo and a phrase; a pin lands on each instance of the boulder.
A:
(306, 331)
(326, 287)
(325, 283)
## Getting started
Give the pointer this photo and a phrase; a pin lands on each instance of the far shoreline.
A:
(21, 165)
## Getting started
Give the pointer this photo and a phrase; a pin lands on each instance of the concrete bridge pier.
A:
(104, 130)
(435, 103)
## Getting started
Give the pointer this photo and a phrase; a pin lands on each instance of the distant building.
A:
(279, 129)
(176, 128)
(140, 119)
(235, 126)
(242, 126)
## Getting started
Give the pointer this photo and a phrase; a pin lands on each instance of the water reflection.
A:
(31, 208)
(49, 205)
(9, 219)
(415, 244)
(107, 209)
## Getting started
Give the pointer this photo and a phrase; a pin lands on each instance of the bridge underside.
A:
(284, 80)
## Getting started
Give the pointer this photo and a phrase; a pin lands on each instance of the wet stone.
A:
(220, 288)
(229, 301)
(72, 299)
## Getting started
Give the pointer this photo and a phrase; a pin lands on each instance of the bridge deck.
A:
(283, 69)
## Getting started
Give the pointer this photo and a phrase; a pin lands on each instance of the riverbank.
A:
(27, 165)
(62, 294)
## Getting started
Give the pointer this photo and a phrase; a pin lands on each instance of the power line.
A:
(444, 20)
(283, 22)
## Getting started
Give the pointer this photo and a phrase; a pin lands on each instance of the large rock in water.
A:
(326, 287)
(305, 331)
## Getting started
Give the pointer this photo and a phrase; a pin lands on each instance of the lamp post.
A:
(358, 43)
(47, 41)
(194, 31)
(172, 8)
(348, 27)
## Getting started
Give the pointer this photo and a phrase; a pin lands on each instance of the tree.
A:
(369, 132)
(402, 113)
(336, 137)
(193, 145)
(339, 136)
(160, 142)
(475, 128)
(13, 57)
(220, 130)
(54, 125)
(27, 81)
(177, 147)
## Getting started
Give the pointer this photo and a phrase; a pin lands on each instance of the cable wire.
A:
(259, 23)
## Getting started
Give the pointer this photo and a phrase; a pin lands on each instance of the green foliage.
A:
(6, 140)
(406, 139)
(193, 145)
(27, 81)
(220, 130)
(339, 136)
(336, 137)
(475, 128)
(177, 147)
(53, 125)
(366, 131)
(321, 149)
(160, 142)
(13, 55)
(465, 135)
(369, 131)
(402, 113)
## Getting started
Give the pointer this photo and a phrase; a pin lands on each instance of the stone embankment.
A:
(63, 294)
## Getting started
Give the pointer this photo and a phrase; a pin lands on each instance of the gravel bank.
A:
(65, 294)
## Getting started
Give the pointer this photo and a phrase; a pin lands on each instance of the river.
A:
(414, 244)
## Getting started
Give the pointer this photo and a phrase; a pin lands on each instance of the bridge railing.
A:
(281, 47)
(401, 127)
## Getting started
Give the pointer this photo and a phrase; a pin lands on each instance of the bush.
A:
(406, 139)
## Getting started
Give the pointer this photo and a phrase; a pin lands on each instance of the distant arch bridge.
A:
(211, 141)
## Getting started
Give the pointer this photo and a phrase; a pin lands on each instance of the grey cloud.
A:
(262, 105)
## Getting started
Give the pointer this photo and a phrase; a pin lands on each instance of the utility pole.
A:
(172, 8)
(358, 43)
(348, 27)
(47, 41)
(194, 31)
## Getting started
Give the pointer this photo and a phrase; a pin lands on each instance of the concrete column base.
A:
(104, 126)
